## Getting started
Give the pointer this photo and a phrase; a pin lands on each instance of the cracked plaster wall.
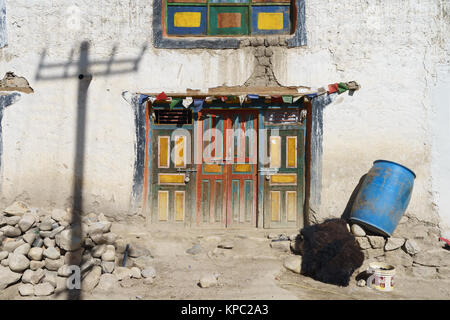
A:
(391, 48)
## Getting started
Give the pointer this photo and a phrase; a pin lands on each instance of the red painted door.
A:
(227, 174)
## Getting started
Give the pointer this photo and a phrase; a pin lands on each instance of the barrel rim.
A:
(376, 161)
(371, 227)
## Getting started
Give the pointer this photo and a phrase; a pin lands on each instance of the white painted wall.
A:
(392, 48)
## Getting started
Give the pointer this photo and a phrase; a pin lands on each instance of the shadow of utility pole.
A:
(85, 76)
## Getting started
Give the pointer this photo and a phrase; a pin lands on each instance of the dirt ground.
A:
(251, 270)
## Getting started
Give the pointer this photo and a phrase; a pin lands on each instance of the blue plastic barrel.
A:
(383, 197)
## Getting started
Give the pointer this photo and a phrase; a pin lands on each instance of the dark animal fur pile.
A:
(331, 253)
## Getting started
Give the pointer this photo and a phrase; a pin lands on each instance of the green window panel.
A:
(228, 20)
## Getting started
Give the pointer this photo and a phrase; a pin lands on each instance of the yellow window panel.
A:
(291, 152)
(179, 205)
(163, 205)
(275, 205)
(275, 152)
(180, 147)
(270, 21)
(212, 168)
(242, 167)
(187, 19)
(287, 179)
(163, 151)
(170, 178)
(291, 205)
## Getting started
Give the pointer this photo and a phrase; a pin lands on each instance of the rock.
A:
(107, 283)
(361, 283)
(107, 266)
(46, 224)
(434, 258)
(54, 265)
(444, 273)
(49, 242)
(35, 265)
(148, 281)
(2, 221)
(26, 222)
(88, 243)
(18, 262)
(51, 253)
(284, 246)
(226, 245)
(12, 221)
(142, 262)
(109, 254)
(12, 232)
(11, 245)
(98, 237)
(55, 231)
(195, 249)
(120, 245)
(423, 271)
(60, 215)
(61, 283)
(373, 253)
(5, 262)
(18, 208)
(394, 243)
(23, 249)
(122, 273)
(91, 280)
(293, 264)
(38, 242)
(29, 237)
(110, 237)
(135, 251)
(102, 218)
(68, 240)
(45, 234)
(27, 275)
(43, 289)
(358, 231)
(8, 277)
(411, 247)
(50, 277)
(103, 227)
(128, 283)
(74, 257)
(136, 273)
(376, 242)
(37, 276)
(3, 255)
(209, 280)
(35, 253)
(149, 272)
(65, 271)
(398, 258)
(294, 236)
(26, 289)
(363, 242)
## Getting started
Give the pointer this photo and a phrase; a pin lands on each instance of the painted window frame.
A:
(3, 33)
(297, 39)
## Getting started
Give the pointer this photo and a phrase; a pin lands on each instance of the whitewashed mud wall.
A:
(392, 49)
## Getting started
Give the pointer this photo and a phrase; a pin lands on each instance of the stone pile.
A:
(40, 250)
(414, 249)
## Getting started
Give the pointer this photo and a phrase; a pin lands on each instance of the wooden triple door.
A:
(216, 174)
(227, 168)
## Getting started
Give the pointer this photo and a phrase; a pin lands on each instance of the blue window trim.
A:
(3, 35)
(160, 41)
